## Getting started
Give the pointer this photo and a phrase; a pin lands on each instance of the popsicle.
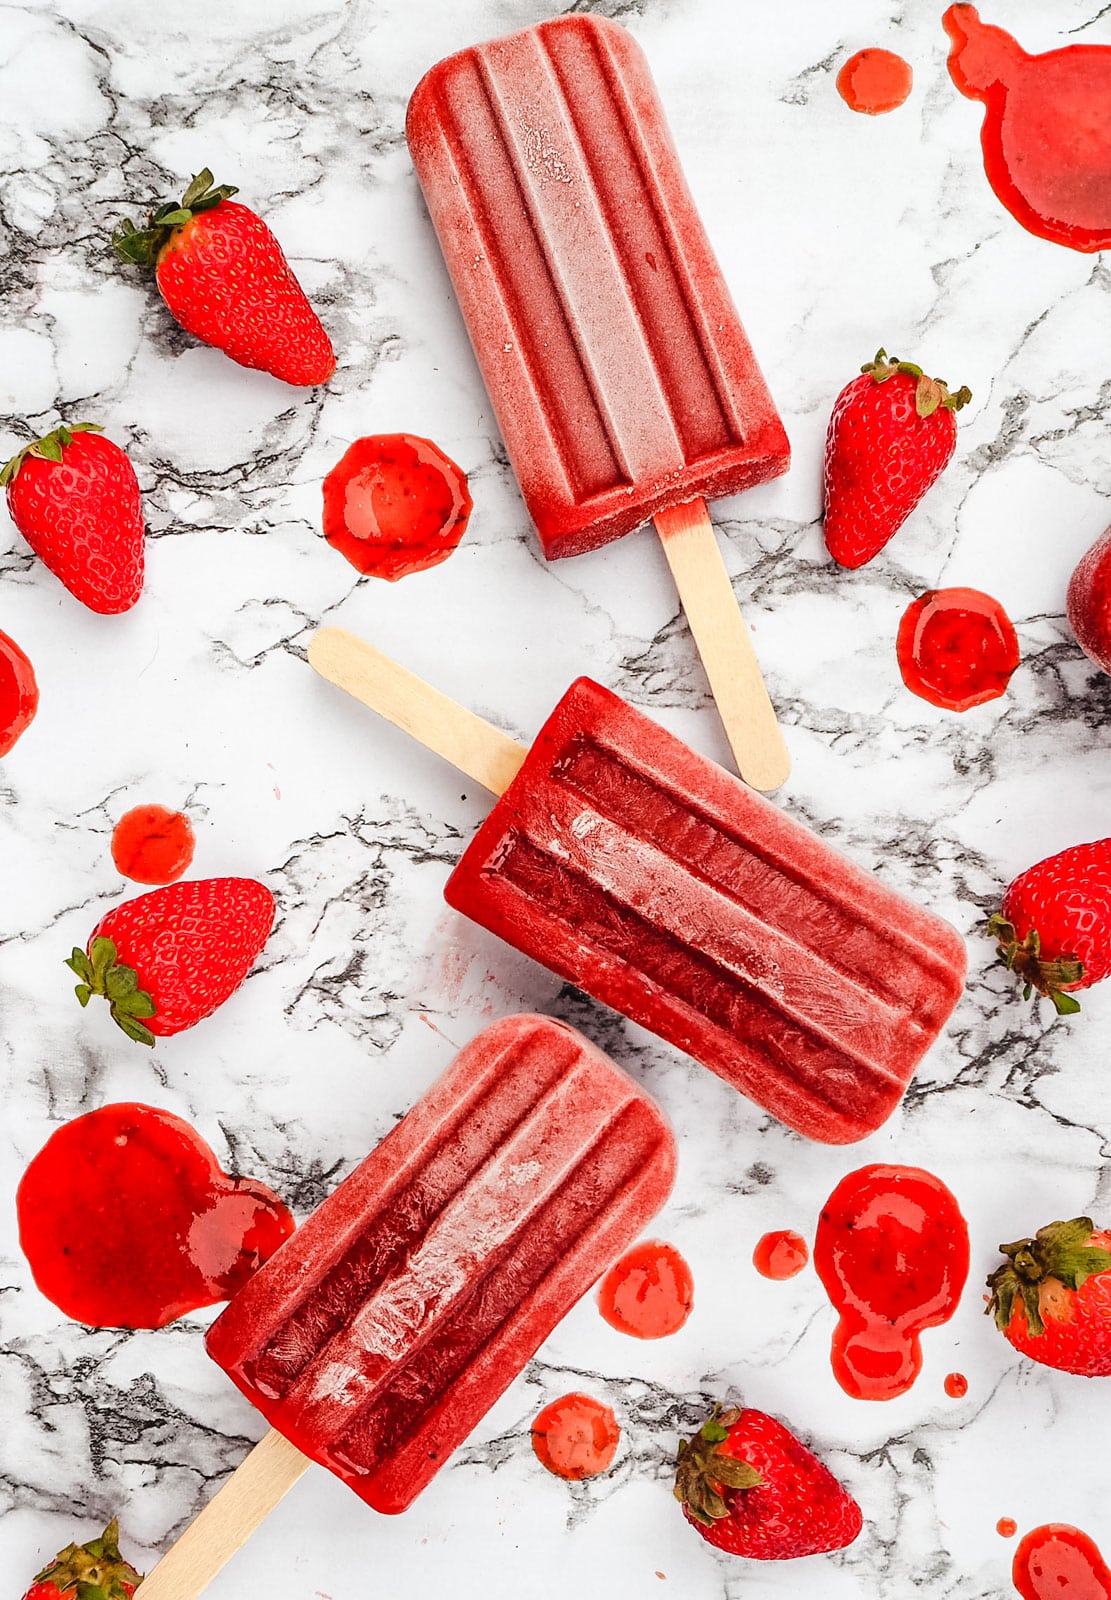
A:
(655, 881)
(621, 377)
(379, 1335)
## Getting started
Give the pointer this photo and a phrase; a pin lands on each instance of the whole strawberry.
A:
(74, 497)
(223, 275)
(93, 1571)
(167, 959)
(1052, 1297)
(1054, 927)
(751, 1488)
(1089, 602)
(891, 433)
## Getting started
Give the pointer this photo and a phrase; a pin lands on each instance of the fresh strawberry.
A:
(74, 497)
(223, 275)
(19, 693)
(1089, 602)
(1054, 927)
(891, 433)
(167, 959)
(751, 1488)
(93, 1571)
(1052, 1297)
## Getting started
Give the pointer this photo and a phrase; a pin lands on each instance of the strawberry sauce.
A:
(874, 81)
(780, 1255)
(956, 1385)
(1056, 1562)
(19, 693)
(395, 504)
(649, 1293)
(575, 1437)
(152, 845)
(1046, 136)
(957, 648)
(891, 1250)
(128, 1221)
(1006, 1527)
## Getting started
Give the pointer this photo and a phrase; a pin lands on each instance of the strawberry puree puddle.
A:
(395, 504)
(780, 1255)
(575, 1437)
(874, 81)
(956, 648)
(153, 845)
(649, 1293)
(1058, 1562)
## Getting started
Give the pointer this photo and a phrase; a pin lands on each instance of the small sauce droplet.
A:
(780, 1255)
(153, 845)
(956, 1386)
(1006, 1527)
(128, 1221)
(874, 81)
(575, 1437)
(19, 693)
(891, 1249)
(649, 1293)
(395, 504)
(957, 648)
(1057, 1562)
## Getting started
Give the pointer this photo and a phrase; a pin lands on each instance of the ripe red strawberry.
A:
(93, 1571)
(1089, 602)
(223, 275)
(74, 497)
(19, 693)
(1054, 927)
(167, 959)
(751, 1488)
(1052, 1297)
(891, 432)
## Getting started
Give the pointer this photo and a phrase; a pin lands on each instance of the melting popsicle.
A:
(623, 383)
(655, 881)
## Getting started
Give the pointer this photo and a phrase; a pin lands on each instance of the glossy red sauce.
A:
(128, 1220)
(649, 1293)
(575, 1437)
(19, 693)
(891, 1250)
(1006, 1527)
(1046, 135)
(956, 1385)
(956, 648)
(874, 81)
(153, 845)
(780, 1255)
(1056, 1562)
(395, 504)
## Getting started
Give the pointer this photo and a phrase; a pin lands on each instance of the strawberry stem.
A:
(704, 1475)
(95, 1569)
(930, 394)
(1062, 1251)
(141, 247)
(101, 972)
(48, 448)
(1047, 975)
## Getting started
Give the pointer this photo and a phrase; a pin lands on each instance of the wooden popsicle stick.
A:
(227, 1521)
(475, 746)
(723, 641)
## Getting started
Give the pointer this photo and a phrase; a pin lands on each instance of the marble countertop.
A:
(837, 233)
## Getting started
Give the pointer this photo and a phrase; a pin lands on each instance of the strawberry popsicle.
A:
(655, 881)
(623, 383)
(391, 1321)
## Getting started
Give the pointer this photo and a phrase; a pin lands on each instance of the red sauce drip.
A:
(1006, 1527)
(1047, 128)
(1056, 1562)
(395, 504)
(575, 1437)
(152, 845)
(128, 1221)
(891, 1249)
(956, 1386)
(649, 1293)
(19, 693)
(874, 80)
(780, 1255)
(957, 648)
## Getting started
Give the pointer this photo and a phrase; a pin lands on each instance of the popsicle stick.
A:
(719, 631)
(475, 746)
(227, 1521)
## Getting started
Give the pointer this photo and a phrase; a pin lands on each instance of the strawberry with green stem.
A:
(1051, 1297)
(93, 1571)
(1054, 926)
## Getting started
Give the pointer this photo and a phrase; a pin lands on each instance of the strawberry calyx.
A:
(704, 1472)
(930, 393)
(1048, 975)
(101, 972)
(48, 448)
(1061, 1252)
(93, 1571)
(141, 247)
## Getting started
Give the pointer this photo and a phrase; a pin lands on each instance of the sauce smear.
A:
(153, 845)
(957, 648)
(649, 1293)
(1056, 1562)
(575, 1437)
(891, 1250)
(956, 1386)
(780, 1255)
(395, 504)
(128, 1220)
(874, 81)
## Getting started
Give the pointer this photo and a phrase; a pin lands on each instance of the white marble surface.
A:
(837, 233)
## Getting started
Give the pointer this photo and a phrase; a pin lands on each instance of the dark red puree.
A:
(874, 80)
(649, 1293)
(575, 1437)
(19, 693)
(1056, 1562)
(892, 1252)
(152, 845)
(128, 1221)
(956, 648)
(780, 1255)
(395, 504)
